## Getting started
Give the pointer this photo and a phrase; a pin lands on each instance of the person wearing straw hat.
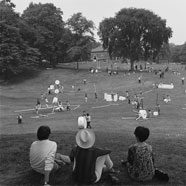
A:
(88, 161)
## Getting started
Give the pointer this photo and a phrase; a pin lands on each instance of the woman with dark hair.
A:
(140, 161)
(140, 164)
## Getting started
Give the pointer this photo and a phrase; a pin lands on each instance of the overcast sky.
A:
(174, 11)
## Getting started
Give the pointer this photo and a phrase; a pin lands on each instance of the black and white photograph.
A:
(92, 92)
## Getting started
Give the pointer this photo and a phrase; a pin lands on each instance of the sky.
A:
(174, 11)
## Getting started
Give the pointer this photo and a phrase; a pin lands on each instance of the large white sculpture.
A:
(110, 97)
(166, 86)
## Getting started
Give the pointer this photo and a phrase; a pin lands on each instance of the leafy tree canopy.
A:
(82, 37)
(16, 56)
(134, 34)
(79, 25)
(47, 29)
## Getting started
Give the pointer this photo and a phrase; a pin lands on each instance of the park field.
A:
(113, 122)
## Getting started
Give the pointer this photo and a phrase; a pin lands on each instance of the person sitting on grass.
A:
(140, 160)
(60, 107)
(88, 161)
(43, 155)
(167, 99)
(68, 105)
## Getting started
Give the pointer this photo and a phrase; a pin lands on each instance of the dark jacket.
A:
(85, 161)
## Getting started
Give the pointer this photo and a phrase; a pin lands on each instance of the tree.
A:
(47, 28)
(175, 52)
(14, 51)
(165, 52)
(107, 33)
(135, 34)
(82, 37)
(182, 54)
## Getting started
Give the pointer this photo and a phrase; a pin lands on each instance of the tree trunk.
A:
(77, 66)
(131, 65)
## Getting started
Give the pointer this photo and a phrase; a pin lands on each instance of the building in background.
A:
(99, 53)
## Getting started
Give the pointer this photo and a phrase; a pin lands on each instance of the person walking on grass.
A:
(182, 80)
(96, 96)
(43, 155)
(140, 160)
(88, 161)
(88, 118)
(38, 106)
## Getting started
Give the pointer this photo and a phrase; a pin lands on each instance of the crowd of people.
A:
(89, 162)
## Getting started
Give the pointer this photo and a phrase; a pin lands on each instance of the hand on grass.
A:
(46, 184)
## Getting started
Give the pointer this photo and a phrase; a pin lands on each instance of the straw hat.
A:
(85, 138)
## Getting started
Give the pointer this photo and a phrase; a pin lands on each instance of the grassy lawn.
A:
(167, 130)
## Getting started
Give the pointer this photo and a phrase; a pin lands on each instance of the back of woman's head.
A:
(43, 132)
(142, 133)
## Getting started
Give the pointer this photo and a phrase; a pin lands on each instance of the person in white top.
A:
(43, 156)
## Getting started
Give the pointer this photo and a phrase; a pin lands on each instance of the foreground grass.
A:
(15, 169)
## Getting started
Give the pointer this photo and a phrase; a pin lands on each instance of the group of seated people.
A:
(89, 162)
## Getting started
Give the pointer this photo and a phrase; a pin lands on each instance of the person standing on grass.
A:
(43, 155)
(128, 96)
(88, 161)
(54, 103)
(86, 97)
(182, 80)
(19, 118)
(88, 118)
(96, 96)
(140, 160)
(46, 101)
(139, 79)
(158, 108)
(38, 105)
(112, 96)
(84, 81)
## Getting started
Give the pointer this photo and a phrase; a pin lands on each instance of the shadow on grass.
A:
(21, 77)
(64, 177)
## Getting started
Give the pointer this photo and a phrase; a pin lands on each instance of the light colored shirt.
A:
(42, 155)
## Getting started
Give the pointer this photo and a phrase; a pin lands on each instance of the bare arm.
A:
(47, 175)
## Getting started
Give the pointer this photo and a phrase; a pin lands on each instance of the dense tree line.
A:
(40, 35)
(178, 53)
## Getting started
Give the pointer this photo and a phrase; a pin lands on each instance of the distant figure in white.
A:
(60, 106)
(54, 103)
(167, 99)
(142, 114)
